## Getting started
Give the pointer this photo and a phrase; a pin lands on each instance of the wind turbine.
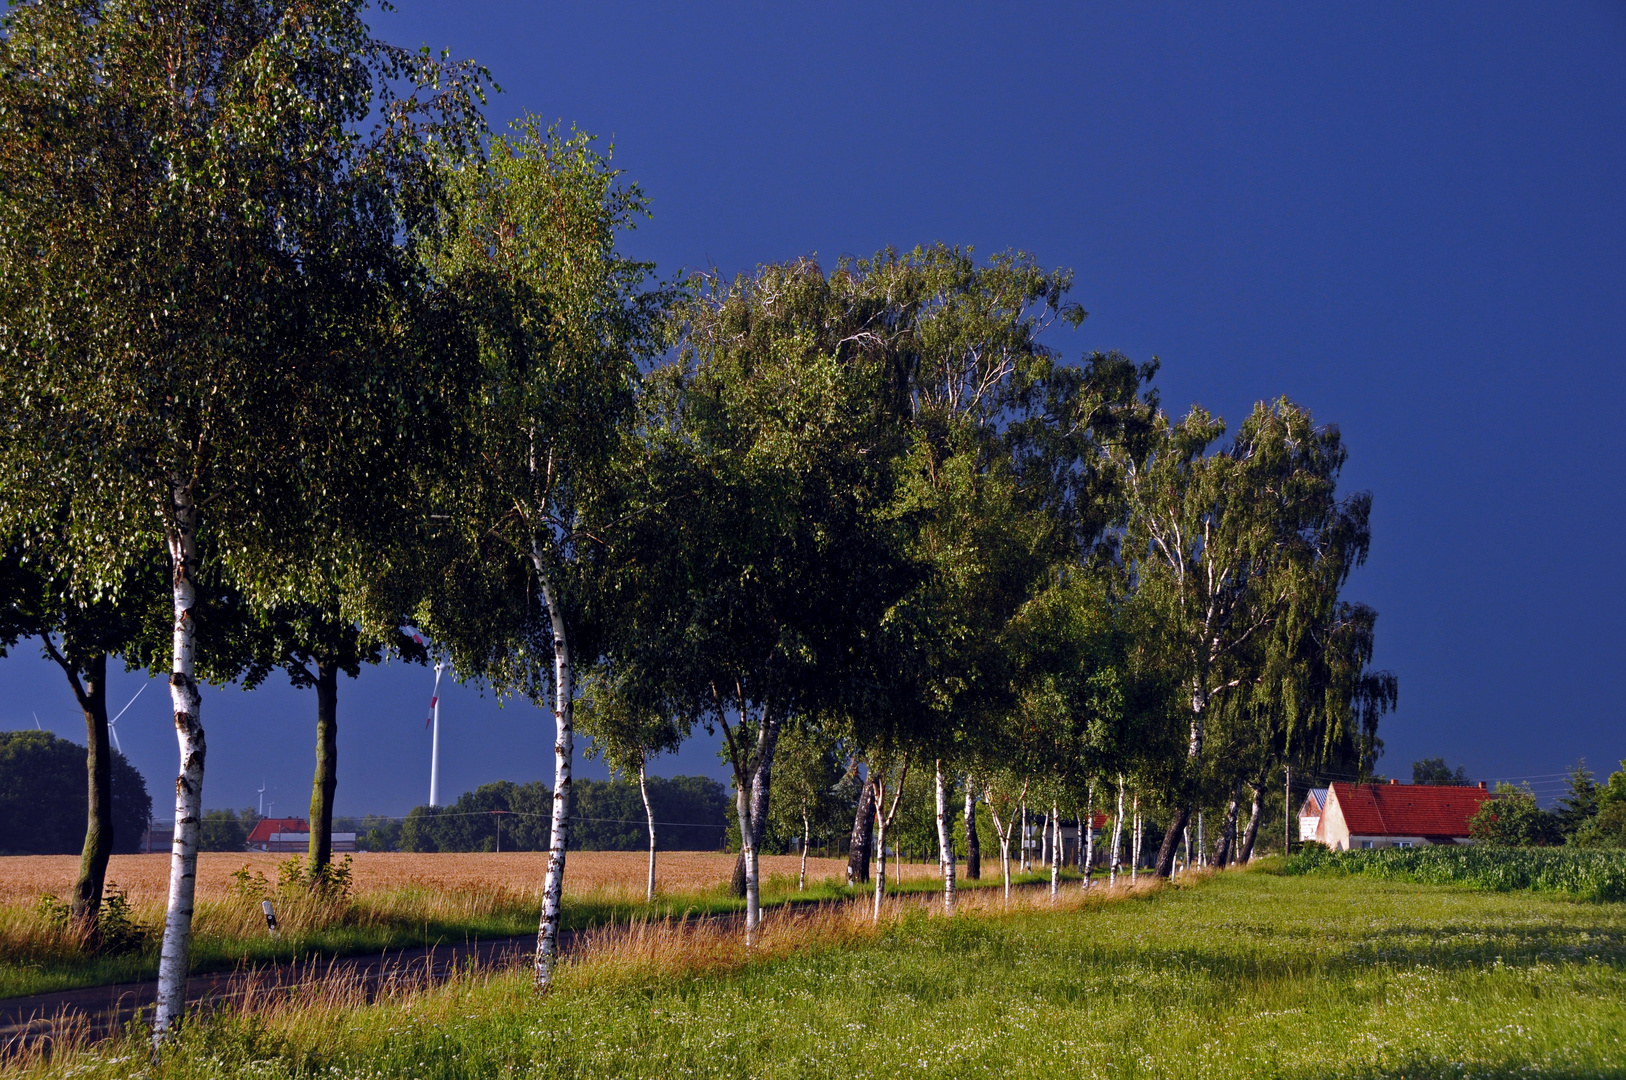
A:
(434, 751)
(113, 731)
(261, 794)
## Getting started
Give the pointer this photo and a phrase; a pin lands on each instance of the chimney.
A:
(1392, 780)
(1482, 785)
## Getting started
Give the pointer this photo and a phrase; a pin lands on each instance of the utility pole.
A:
(1287, 815)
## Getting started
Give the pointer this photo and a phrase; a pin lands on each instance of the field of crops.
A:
(1583, 874)
(24, 878)
(396, 901)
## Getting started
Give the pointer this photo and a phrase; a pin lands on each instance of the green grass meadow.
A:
(1243, 974)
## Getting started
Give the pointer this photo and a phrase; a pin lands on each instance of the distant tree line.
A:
(605, 816)
(42, 797)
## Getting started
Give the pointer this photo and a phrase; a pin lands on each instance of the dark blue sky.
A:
(1408, 217)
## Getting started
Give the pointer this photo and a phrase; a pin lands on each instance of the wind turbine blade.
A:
(126, 708)
(434, 698)
(113, 733)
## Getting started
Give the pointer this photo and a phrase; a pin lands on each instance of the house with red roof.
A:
(291, 834)
(1397, 815)
(1315, 801)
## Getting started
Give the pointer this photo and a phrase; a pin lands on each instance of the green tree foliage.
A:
(77, 630)
(607, 816)
(1513, 819)
(1607, 826)
(1579, 804)
(226, 830)
(1435, 771)
(201, 214)
(1239, 547)
(42, 796)
(555, 326)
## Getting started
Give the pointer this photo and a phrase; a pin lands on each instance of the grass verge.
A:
(1244, 974)
(40, 954)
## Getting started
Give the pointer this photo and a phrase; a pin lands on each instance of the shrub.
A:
(1513, 819)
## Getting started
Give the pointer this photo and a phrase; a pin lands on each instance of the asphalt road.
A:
(99, 1011)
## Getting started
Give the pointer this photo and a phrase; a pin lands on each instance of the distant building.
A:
(160, 836)
(1037, 842)
(1398, 815)
(292, 835)
(1310, 813)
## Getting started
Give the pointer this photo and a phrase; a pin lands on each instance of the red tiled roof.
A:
(261, 833)
(1408, 809)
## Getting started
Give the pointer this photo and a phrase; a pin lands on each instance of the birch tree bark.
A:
(801, 880)
(1055, 849)
(175, 951)
(1117, 834)
(649, 816)
(1022, 841)
(858, 848)
(945, 843)
(883, 818)
(973, 850)
(553, 887)
(1224, 847)
(1087, 837)
(1004, 833)
(1134, 840)
(1252, 832)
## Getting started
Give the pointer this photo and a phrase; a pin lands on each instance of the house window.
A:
(1404, 843)
(1366, 843)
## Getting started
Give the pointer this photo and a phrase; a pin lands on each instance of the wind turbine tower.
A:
(434, 746)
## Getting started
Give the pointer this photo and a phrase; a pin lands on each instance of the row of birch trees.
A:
(301, 366)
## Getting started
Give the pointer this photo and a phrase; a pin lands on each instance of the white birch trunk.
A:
(1004, 832)
(1022, 841)
(1134, 841)
(742, 809)
(184, 698)
(547, 939)
(649, 816)
(801, 882)
(1117, 834)
(945, 843)
(761, 777)
(1055, 850)
(884, 816)
(1089, 834)
(880, 863)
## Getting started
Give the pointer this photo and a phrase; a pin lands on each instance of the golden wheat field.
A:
(146, 877)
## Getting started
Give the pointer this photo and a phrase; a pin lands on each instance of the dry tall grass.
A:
(643, 953)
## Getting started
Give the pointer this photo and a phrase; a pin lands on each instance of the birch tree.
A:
(804, 798)
(626, 727)
(201, 213)
(1219, 544)
(557, 323)
(785, 557)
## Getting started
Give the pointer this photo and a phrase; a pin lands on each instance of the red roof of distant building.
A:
(261, 833)
(1408, 809)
